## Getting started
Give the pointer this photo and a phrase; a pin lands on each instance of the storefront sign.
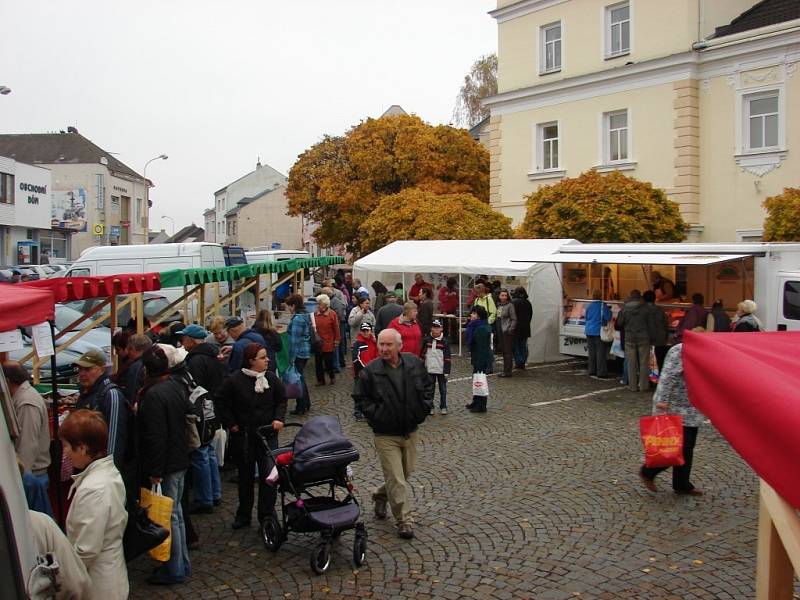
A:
(32, 207)
(69, 209)
(115, 231)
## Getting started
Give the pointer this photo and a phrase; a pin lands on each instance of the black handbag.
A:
(141, 534)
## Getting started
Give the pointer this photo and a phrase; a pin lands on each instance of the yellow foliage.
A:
(602, 208)
(339, 181)
(783, 217)
(419, 214)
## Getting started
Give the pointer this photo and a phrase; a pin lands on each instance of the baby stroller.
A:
(313, 469)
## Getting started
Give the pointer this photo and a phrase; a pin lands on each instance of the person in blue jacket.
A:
(597, 315)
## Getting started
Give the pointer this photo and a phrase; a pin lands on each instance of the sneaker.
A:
(358, 416)
(433, 411)
(405, 531)
(443, 411)
(380, 506)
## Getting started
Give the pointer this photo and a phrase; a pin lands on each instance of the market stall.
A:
(747, 383)
(466, 259)
(726, 272)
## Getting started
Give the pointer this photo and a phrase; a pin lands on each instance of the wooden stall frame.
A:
(778, 558)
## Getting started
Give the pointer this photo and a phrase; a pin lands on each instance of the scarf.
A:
(471, 327)
(262, 385)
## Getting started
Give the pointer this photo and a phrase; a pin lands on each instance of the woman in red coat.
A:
(409, 329)
(327, 325)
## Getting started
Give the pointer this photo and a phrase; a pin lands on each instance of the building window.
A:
(761, 121)
(6, 188)
(618, 29)
(616, 136)
(547, 147)
(550, 36)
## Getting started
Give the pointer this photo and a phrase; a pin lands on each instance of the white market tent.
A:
(466, 258)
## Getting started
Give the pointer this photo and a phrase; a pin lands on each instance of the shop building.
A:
(706, 112)
(26, 236)
(96, 199)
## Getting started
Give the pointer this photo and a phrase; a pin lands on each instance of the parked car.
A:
(154, 303)
(58, 270)
(9, 275)
(66, 370)
(97, 337)
(43, 271)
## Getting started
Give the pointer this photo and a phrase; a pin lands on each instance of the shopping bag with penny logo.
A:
(662, 438)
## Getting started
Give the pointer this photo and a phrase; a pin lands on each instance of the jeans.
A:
(178, 567)
(598, 356)
(441, 380)
(304, 403)
(506, 342)
(206, 486)
(520, 351)
(36, 492)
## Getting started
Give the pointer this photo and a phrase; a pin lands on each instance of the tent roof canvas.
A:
(23, 306)
(486, 257)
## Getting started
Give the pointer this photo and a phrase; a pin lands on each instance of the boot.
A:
(471, 405)
(479, 405)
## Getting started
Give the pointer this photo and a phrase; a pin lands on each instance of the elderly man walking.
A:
(396, 393)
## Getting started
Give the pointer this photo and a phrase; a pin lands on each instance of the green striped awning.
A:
(181, 277)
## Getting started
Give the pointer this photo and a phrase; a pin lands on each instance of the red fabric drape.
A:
(65, 289)
(21, 306)
(748, 384)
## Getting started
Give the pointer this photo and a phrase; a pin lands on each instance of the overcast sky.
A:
(216, 84)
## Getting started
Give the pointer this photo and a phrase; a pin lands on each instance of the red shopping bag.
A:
(662, 438)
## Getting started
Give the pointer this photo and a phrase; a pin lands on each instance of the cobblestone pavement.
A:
(539, 498)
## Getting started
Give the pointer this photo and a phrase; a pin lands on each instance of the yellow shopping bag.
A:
(159, 509)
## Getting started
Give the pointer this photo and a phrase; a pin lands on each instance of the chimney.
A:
(258, 163)
(72, 129)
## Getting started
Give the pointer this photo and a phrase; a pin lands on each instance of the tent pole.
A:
(57, 457)
(460, 316)
(405, 292)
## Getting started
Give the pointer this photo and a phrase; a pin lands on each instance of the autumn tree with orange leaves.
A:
(602, 208)
(341, 180)
(417, 214)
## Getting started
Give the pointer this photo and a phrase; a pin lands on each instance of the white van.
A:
(151, 258)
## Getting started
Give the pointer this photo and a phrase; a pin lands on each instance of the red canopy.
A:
(20, 306)
(65, 289)
(748, 384)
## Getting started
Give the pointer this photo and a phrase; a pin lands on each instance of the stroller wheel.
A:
(271, 533)
(321, 558)
(359, 549)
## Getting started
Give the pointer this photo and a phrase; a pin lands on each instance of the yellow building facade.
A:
(647, 87)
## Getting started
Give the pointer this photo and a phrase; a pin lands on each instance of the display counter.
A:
(572, 339)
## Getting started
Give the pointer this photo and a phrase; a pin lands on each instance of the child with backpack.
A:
(436, 356)
(365, 350)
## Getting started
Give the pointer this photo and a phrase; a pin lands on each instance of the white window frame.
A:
(606, 137)
(607, 30)
(744, 97)
(543, 69)
(538, 171)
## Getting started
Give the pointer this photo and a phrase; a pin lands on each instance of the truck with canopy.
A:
(768, 273)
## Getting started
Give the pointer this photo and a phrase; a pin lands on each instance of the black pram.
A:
(319, 459)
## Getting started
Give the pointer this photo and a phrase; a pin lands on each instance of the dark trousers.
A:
(507, 347)
(598, 356)
(680, 475)
(661, 354)
(323, 361)
(441, 380)
(255, 454)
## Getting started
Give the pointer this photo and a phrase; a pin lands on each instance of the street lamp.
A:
(146, 198)
(171, 220)
(5, 91)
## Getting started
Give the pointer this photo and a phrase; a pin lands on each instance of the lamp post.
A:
(171, 220)
(146, 198)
